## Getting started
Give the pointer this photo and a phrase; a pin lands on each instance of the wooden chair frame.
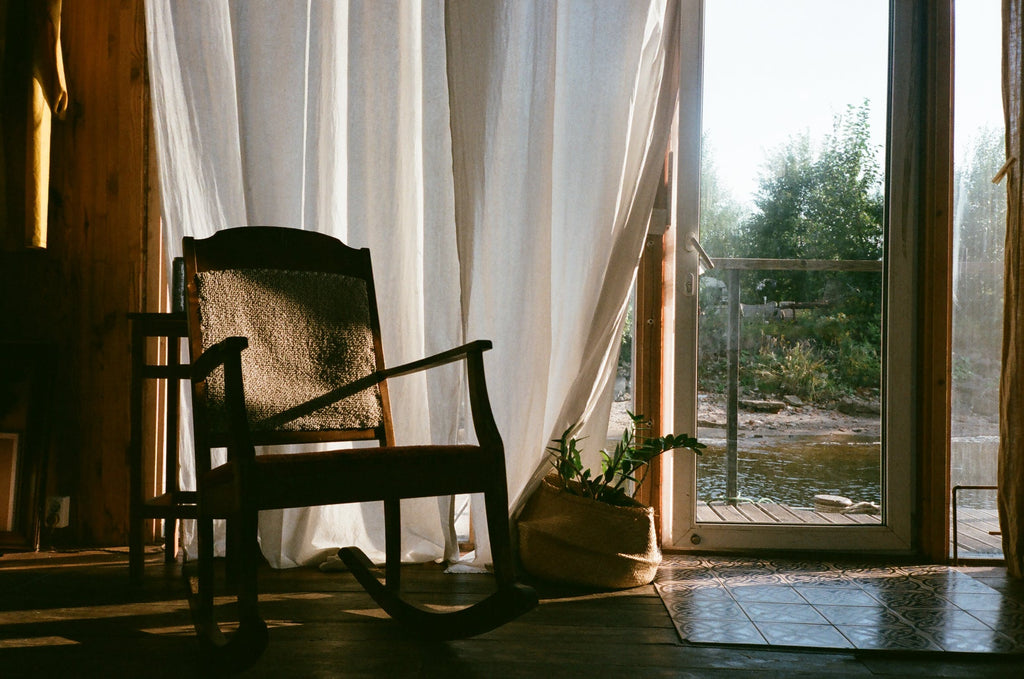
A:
(247, 483)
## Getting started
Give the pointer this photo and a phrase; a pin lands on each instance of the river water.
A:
(792, 468)
(792, 471)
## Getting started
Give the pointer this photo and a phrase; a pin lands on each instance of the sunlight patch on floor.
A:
(36, 642)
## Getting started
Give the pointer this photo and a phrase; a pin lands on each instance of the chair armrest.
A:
(449, 356)
(475, 348)
(216, 356)
(483, 419)
(226, 353)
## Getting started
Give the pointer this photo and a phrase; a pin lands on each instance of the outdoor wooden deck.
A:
(774, 513)
(976, 530)
(977, 534)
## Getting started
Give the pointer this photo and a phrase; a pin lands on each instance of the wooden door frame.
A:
(926, 60)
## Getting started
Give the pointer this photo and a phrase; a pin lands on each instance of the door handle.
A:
(694, 244)
(706, 264)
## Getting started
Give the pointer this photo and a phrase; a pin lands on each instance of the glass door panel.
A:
(979, 230)
(789, 322)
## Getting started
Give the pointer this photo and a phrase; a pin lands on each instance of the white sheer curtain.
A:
(560, 121)
(330, 117)
(339, 117)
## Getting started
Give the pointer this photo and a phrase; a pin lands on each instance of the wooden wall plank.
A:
(99, 193)
(935, 312)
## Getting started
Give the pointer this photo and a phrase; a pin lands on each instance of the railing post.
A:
(732, 412)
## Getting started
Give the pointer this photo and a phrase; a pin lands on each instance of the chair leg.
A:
(200, 588)
(170, 539)
(509, 601)
(249, 557)
(136, 548)
(205, 575)
(393, 544)
(244, 647)
(496, 506)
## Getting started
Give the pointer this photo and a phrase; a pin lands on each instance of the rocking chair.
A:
(285, 344)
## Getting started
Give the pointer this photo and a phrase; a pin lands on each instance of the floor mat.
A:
(736, 600)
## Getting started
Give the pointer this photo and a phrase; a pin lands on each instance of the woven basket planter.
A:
(572, 539)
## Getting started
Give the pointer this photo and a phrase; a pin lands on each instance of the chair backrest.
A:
(306, 304)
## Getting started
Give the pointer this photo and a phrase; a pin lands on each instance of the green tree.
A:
(820, 203)
(815, 200)
(980, 230)
(721, 215)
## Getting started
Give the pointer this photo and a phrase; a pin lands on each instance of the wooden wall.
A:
(75, 294)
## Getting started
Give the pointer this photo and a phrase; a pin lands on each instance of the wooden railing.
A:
(733, 267)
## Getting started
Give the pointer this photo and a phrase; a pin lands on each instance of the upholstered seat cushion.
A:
(298, 350)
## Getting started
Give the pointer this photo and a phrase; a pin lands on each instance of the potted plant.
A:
(586, 529)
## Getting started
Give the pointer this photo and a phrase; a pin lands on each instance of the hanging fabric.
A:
(340, 117)
(1011, 387)
(561, 113)
(330, 117)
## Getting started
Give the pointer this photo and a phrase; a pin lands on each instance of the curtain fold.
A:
(499, 159)
(1011, 387)
(329, 117)
(560, 119)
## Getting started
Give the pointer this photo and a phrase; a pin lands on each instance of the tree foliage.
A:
(824, 200)
(815, 200)
(821, 203)
(980, 230)
(720, 213)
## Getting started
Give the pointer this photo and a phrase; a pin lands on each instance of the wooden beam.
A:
(647, 338)
(98, 233)
(648, 327)
(755, 264)
(935, 297)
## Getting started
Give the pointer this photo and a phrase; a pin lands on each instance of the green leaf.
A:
(631, 455)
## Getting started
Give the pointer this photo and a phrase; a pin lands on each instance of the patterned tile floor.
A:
(832, 605)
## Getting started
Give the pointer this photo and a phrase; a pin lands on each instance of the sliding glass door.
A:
(979, 231)
(791, 304)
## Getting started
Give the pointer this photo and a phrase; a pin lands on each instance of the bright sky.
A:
(977, 75)
(775, 69)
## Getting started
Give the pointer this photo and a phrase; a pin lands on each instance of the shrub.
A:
(817, 356)
(793, 368)
(858, 365)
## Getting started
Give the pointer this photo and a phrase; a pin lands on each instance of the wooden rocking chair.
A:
(285, 344)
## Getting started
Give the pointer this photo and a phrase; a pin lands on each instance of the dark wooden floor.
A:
(75, 615)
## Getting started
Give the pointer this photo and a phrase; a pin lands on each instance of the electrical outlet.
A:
(58, 508)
